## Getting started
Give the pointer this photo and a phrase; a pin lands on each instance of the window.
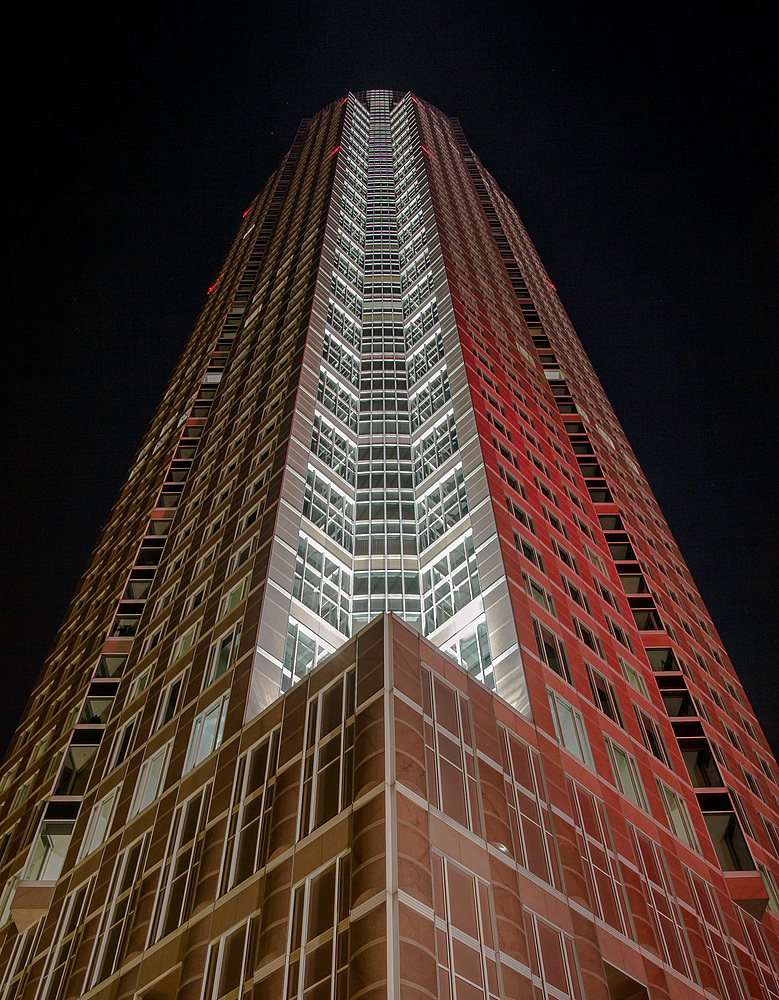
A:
(110, 938)
(718, 938)
(464, 927)
(205, 561)
(251, 517)
(316, 969)
(450, 583)
(539, 595)
(240, 557)
(139, 685)
(449, 754)
(662, 659)
(40, 747)
(553, 960)
(766, 767)
(175, 877)
(197, 598)
(323, 584)
(327, 778)
(772, 890)
(569, 728)
(48, 854)
(751, 782)
(21, 796)
(206, 735)
(222, 654)
(151, 779)
(633, 677)
(565, 556)
(170, 701)
(234, 597)
(250, 816)
(122, 743)
(619, 633)
(678, 815)
(598, 563)
(555, 521)
(6, 898)
(604, 695)
(76, 769)
(576, 595)
(66, 940)
(551, 650)
(662, 903)
(601, 865)
(733, 738)
(626, 774)
(99, 823)
(528, 810)
(652, 736)
(529, 552)
(185, 642)
(588, 637)
(229, 963)
(152, 641)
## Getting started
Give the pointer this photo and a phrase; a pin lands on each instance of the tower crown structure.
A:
(386, 677)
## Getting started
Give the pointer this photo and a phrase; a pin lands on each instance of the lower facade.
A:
(389, 827)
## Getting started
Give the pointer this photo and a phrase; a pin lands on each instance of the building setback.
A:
(386, 677)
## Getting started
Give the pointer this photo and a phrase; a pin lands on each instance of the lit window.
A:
(222, 654)
(234, 597)
(48, 854)
(626, 774)
(185, 643)
(633, 677)
(151, 779)
(539, 594)
(206, 735)
(569, 728)
(678, 815)
(327, 779)
(6, 898)
(99, 823)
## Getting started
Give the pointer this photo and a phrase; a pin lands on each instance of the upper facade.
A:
(383, 408)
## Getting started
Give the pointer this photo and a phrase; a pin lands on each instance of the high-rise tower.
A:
(386, 678)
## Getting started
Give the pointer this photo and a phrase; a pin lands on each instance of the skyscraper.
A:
(386, 677)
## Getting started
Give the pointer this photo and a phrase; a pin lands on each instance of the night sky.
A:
(640, 151)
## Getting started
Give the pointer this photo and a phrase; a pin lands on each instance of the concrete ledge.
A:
(31, 900)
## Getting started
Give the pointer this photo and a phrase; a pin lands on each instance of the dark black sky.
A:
(639, 148)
